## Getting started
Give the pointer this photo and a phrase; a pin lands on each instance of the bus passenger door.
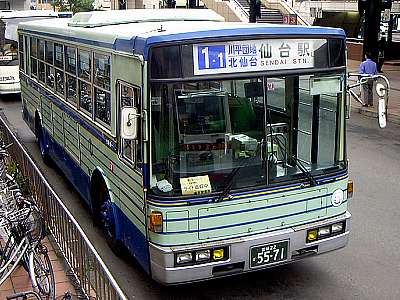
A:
(131, 193)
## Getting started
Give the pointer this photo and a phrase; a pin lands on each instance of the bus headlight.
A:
(324, 231)
(203, 255)
(338, 227)
(184, 258)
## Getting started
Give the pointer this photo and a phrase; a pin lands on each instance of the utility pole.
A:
(371, 10)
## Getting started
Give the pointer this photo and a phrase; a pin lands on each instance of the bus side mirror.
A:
(129, 123)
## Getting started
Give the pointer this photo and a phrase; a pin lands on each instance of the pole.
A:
(372, 27)
(252, 12)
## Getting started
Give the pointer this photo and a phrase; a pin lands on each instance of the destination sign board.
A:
(255, 55)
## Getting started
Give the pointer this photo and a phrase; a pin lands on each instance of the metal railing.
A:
(86, 265)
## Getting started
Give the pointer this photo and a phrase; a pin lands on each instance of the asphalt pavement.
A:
(368, 268)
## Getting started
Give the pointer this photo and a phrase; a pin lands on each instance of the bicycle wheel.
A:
(43, 274)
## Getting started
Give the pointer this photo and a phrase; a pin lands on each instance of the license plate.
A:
(268, 254)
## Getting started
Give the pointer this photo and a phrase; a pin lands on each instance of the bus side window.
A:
(33, 45)
(131, 149)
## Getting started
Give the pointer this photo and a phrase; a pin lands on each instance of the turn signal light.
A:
(218, 254)
(312, 235)
(350, 189)
(156, 221)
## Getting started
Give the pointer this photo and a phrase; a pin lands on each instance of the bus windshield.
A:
(9, 53)
(244, 133)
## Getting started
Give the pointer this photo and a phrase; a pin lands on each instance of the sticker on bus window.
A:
(195, 185)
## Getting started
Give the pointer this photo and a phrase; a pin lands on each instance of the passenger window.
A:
(49, 52)
(102, 71)
(41, 71)
(131, 149)
(58, 58)
(41, 49)
(21, 53)
(71, 88)
(84, 65)
(50, 76)
(33, 61)
(103, 106)
(70, 60)
(85, 96)
(60, 82)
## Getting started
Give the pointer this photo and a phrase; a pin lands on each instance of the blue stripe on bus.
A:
(221, 239)
(248, 222)
(71, 112)
(160, 202)
(247, 210)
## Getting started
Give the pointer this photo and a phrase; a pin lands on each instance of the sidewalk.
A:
(19, 280)
(392, 72)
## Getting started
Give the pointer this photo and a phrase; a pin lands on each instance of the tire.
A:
(43, 273)
(107, 221)
(43, 147)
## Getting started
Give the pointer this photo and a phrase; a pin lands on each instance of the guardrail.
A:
(85, 263)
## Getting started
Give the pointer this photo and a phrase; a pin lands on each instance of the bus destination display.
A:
(254, 55)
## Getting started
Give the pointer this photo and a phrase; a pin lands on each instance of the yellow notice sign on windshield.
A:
(195, 185)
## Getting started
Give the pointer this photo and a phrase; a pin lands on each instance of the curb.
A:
(391, 118)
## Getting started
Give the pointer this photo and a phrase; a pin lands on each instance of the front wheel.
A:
(43, 147)
(107, 222)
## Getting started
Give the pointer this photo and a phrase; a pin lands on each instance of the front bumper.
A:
(162, 258)
(10, 88)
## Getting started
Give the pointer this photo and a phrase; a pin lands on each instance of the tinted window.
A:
(58, 58)
(103, 106)
(41, 49)
(84, 65)
(71, 88)
(166, 62)
(70, 59)
(337, 53)
(49, 52)
(33, 47)
(85, 96)
(102, 70)
(59, 81)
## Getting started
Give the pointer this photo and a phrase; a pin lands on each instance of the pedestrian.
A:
(368, 67)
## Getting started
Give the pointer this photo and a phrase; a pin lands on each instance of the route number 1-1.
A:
(211, 57)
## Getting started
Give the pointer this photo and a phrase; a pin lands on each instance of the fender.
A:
(101, 173)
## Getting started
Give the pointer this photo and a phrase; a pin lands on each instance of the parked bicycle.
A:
(22, 230)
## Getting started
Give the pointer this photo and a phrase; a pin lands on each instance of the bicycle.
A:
(24, 245)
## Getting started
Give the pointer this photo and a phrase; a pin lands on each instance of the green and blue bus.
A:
(205, 148)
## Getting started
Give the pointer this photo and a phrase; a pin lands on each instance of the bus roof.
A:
(13, 14)
(134, 36)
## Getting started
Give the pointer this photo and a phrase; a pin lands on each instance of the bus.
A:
(9, 71)
(205, 148)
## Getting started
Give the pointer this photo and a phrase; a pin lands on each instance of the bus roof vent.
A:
(115, 17)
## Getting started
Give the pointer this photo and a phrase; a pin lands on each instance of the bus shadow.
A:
(10, 97)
